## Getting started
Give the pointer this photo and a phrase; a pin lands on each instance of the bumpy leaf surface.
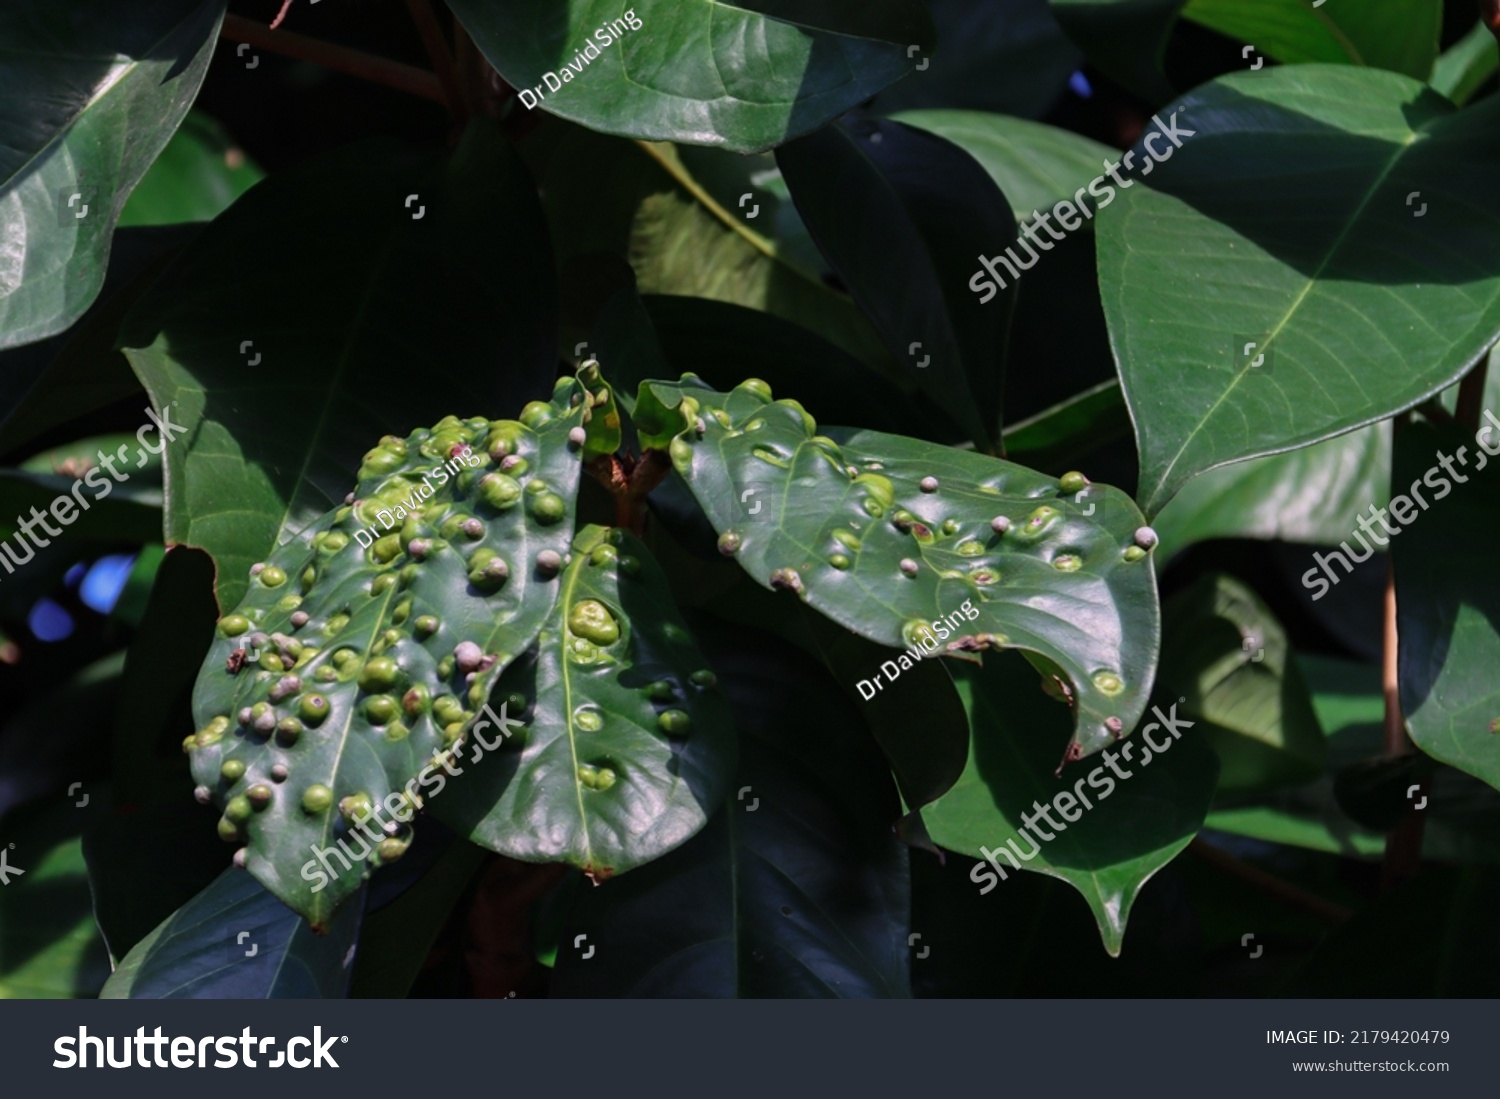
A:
(369, 648)
(916, 545)
(629, 746)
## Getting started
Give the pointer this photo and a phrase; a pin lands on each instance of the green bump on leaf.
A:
(386, 625)
(1055, 584)
(597, 784)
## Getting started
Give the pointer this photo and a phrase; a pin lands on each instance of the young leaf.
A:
(630, 744)
(371, 642)
(921, 546)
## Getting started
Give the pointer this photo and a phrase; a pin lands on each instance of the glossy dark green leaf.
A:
(1400, 35)
(628, 745)
(1227, 657)
(90, 93)
(912, 279)
(795, 888)
(1237, 261)
(370, 644)
(293, 332)
(1122, 819)
(897, 540)
(1445, 618)
(236, 941)
(1313, 495)
(745, 75)
(196, 177)
(80, 371)
(1034, 165)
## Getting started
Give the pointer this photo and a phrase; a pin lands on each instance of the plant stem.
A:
(1283, 891)
(378, 70)
(438, 52)
(1471, 394)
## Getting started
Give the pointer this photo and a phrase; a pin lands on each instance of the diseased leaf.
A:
(292, 331)
(920, 546)
(371, 641)
(629, 744)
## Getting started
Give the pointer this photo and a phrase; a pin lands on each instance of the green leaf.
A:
(196, 177)
(852, 530)
(1106, 849)
(1462, 817)
(81, 371)
(1400, 35)
(745, 75)
(602, 433)
(1075, 426)
(795, 888)
(678, 237)
(405, 595)
(90, 93)
(1233, 257)
(307, 312)
(629, 746)
(236, 941)
(1125, 38)
(1465, 66)
(1226, 653)
(911, 279)
(1034, 165)
(50, 947)
(1312, 495)
(1446, 622)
